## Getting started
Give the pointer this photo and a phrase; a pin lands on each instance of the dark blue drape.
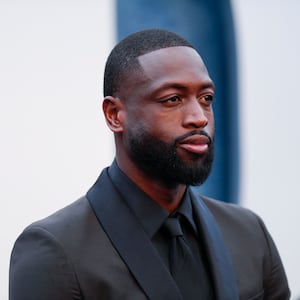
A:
(208, 25)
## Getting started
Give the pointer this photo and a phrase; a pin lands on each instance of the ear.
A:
(113, 110)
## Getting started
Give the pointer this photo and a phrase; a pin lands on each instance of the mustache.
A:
(191, 133)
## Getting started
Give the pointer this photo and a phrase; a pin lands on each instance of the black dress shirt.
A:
(152, 216)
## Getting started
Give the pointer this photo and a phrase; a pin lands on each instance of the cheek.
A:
(211, 124)
(161, 128)
(144, 118)
(165, 129)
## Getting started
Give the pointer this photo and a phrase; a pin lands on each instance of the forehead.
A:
(173, 62)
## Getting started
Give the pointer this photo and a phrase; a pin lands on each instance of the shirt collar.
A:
(186, 209)
(149, 213)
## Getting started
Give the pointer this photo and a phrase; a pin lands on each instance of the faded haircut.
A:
(123, 58)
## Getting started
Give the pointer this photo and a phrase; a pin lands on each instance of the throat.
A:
(166, 197)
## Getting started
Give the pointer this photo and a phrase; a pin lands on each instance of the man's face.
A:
(169, 117)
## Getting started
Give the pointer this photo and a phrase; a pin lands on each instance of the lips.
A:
(197, 144)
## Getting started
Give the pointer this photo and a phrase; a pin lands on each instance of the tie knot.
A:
(172, 227)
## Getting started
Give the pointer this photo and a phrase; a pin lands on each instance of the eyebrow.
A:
(206, 85)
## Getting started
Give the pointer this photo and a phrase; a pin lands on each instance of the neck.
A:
(167, 196)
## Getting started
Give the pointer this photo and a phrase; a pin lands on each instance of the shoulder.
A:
(229, 211)
(238, 224)
(69, 215)
(66, 219)
(44, 249)
(69, 228)
(219, 206)
(250, 246)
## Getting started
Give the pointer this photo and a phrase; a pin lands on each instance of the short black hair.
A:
(123, 57)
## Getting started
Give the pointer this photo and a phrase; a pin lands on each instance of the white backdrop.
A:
(53, 138)
(268, 34)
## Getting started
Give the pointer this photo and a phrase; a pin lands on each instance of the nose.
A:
(195, 115)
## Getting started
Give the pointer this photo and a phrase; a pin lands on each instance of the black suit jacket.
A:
(96, 249)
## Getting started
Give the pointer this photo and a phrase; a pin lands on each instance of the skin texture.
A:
(172, 103)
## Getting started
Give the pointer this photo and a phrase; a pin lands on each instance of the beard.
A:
(161, 160)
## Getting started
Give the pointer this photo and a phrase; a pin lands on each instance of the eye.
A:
(206, 99)
(172, 101)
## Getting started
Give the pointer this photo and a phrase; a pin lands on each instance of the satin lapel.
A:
(222, 271)
(131, 242)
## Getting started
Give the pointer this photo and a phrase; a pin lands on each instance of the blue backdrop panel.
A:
(209, 26)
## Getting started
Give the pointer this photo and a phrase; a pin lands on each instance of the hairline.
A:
(132, 51)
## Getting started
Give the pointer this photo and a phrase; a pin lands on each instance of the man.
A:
(118, 241)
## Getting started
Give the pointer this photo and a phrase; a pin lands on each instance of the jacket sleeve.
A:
(275, 280)
(39, 269)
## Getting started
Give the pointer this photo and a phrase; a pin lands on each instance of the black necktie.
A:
(183, 265)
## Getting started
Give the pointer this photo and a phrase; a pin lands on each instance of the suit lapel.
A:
(222, 272)
(131, 242)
